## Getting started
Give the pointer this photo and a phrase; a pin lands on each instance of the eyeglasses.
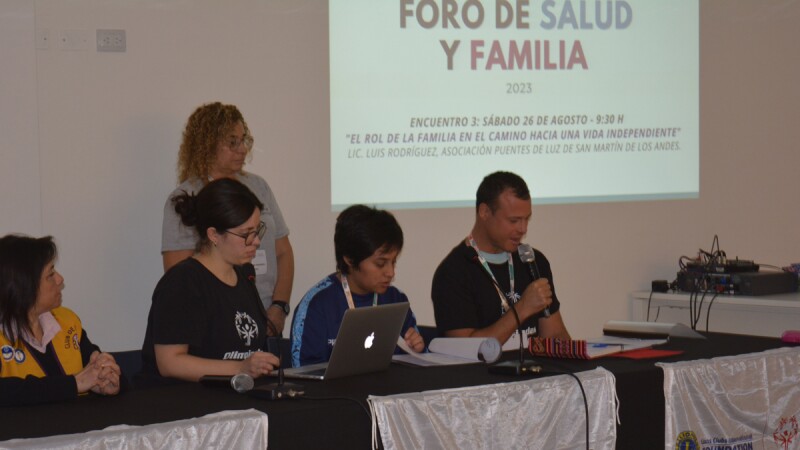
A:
(251, 236)
(234, 144)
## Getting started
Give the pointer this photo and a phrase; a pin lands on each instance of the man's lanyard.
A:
(349, 295)
(503, 297)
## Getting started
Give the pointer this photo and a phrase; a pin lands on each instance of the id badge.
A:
(260, 262)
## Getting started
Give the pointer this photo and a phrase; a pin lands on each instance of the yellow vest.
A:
(16, 361)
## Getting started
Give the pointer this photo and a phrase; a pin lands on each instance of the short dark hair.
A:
(222, 204)
(22, 262)
(495, 184)
(360, 231)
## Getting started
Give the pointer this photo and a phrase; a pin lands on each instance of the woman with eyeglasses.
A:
(206, 317)
(216, 144)
(46, 354)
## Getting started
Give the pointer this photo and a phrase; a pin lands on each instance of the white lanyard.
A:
(349, 295)
(503, 297)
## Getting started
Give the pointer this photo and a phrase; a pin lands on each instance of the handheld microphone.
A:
(527, 256)
(241, 382)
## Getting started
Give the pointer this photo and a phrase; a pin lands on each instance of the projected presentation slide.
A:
(589, 101)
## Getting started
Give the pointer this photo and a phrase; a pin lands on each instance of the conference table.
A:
(334, 413)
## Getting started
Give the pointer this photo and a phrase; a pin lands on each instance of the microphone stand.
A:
(279, 390)
(519, 367)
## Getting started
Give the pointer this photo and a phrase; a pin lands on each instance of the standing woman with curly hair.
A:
(216, 144)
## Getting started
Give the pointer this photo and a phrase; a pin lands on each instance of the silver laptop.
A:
(365, 343)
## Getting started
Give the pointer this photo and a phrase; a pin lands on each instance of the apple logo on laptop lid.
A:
(368, 340)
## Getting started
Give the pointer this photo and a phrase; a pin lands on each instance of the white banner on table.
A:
(222, 430)
(543, 413)
(734, 403)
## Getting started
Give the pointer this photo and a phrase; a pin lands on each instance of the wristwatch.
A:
(284, 306)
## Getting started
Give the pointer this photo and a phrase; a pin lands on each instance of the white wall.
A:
(19, 142)
(98, 167)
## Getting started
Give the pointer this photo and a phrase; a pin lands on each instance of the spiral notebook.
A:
(588, 348)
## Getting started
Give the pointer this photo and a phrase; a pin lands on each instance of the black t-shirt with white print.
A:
(192, 306)
(464, 296)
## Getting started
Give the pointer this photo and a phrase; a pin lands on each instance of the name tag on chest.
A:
(260, 262)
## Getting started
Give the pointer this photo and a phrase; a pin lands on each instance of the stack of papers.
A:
(451, 351)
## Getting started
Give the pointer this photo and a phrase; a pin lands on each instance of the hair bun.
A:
(186, 207)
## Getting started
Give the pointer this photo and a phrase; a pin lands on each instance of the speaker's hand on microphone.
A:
(536, 297)
(260, 363)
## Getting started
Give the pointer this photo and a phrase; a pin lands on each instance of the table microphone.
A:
(527, 256)
(520, 367)
(241, 382)
(281, 389)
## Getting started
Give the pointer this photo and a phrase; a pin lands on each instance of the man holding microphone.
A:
(483, 278)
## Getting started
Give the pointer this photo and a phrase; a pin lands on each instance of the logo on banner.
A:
(687, 440)
(786, 433)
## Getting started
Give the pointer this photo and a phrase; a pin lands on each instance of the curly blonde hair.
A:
(207, 125)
